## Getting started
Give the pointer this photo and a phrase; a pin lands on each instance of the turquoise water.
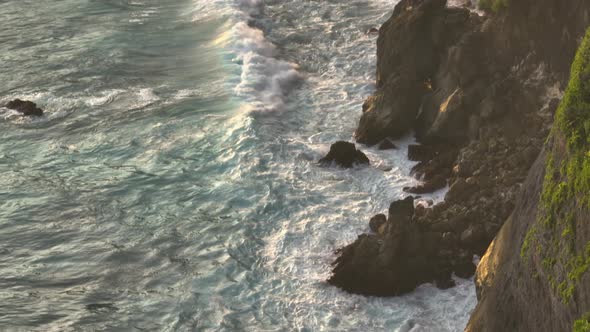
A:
(172, 183)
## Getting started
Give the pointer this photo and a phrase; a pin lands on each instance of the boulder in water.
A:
(345, 154)
(27, 108)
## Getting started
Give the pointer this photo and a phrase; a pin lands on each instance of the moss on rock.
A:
(582, 324)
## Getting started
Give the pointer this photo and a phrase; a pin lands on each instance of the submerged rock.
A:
(27, 108)
(345, 154)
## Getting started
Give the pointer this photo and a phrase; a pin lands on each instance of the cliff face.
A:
(535, 275)
(480, 93)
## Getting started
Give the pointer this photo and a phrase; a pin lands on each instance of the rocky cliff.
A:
(535, 275)
(480, 93)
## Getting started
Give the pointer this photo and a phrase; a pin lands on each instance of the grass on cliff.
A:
(582, 324)
(492, 5)
(565, 198)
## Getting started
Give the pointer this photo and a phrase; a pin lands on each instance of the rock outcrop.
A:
(411, 46)
(27, 108)
(480, 94)
(344, 154)
(371, 265)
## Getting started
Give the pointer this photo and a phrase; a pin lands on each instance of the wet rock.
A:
(27, 108)
(344, 154)
(376, 222)
(391, 263)
(372, 31)
(386, 144)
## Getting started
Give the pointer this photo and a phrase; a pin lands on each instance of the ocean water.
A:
(172, 184)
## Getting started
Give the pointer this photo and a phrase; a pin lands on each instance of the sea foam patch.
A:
(265, 80)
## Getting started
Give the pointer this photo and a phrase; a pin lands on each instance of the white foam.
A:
(265, 80)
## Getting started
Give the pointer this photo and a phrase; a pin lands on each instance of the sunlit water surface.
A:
(172, 184)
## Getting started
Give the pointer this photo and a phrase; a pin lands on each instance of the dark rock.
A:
(460, 190)
(376, 222)
(444, 280)
(372, 31)
(401, 210)
(441, 165)
(475, 238)
(465, 269)
(422, 152)
(391, 263)
(27, 108)
(344, 154)
(409, 48)
(387, 145)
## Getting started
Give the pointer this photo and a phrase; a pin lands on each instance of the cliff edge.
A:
(534, 277)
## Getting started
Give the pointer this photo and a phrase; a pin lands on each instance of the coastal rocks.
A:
(461, 190)
(391, 263)
(405, 252)
(434, 169)
(410, 47)
(476, 92)
(344, 154)
(386, 116)
(27, 108)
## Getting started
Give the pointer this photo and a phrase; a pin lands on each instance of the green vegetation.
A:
(493, 5)
(582, 324)
(565, 199)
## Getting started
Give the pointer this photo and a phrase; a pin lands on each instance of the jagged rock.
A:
(391, 263)
(387, 145)
(372, 31)
(376, 222)
(344, 154)
(27, 108)
(410, 47)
